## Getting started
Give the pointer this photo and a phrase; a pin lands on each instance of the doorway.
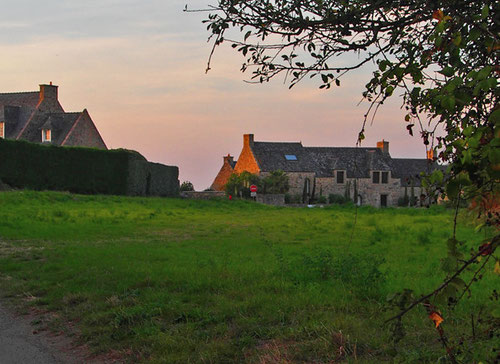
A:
(383, 200)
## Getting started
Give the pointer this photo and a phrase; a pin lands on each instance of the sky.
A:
(138, 67)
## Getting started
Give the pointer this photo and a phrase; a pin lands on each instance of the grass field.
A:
(179, 281)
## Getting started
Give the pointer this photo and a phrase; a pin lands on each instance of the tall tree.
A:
(442, 56)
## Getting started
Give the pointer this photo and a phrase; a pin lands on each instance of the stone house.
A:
(225, 172)
(38, 117)
(370, 173)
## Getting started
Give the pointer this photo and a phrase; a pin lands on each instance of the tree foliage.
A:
(275, 182)
(186, 186)
(441, 57)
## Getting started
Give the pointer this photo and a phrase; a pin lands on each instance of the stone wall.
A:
(275, 200)
(203, 195)
(151, 179)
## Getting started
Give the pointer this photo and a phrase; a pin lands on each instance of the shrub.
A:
(73, 169)
(403, 201)
(186, 186)
(337, 199)
(322, 199)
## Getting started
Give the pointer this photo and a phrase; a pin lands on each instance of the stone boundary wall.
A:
(203, 195)
(275, 200)
(151, 179)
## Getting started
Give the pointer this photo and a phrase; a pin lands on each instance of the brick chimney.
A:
(430, 154)
(228, 159)
(48, 92)
(248, 140)
(383, 146)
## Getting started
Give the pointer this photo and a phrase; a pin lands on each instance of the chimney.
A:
(229, 159)
(248, 140)
(383, 146)
(48, 92)
(430, 154)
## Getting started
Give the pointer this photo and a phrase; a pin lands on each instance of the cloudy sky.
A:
(139, 69)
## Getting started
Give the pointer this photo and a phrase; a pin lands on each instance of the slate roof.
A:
(59, 123)
(25, 115)
(357, 162)
(408, 169)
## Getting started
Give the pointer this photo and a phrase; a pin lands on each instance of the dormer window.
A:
(46, 135)
(2, 130)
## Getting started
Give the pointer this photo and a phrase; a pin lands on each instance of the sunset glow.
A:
(139, 69)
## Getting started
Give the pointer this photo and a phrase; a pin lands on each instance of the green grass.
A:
(182, 281)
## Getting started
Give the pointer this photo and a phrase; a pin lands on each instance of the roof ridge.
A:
(18, 93)
(277, 142)
(341, 147)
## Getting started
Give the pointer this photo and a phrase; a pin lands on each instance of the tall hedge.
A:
(73, 169)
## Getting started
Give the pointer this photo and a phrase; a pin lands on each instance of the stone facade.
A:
(275, 200)
(225, 172)
(38, 117)
(376, 177)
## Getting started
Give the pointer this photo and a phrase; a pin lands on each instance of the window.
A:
(290, 157)
(2, 130)
(46, 135)
(376, 177)
(385, 177)
(340, 176)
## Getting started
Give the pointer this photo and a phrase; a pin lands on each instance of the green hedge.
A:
(73, 169)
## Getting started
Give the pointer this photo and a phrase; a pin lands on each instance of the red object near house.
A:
(230, 197)
(253, 188)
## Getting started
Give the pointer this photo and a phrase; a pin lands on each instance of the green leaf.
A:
(449, 264)
(447, 71)
(482, 74)
(485, 11)
(495, 117)
(448, 102)
(466, 156)
(474, 34)
(389, 90)
(453, 188)
(494, 156)
(437, 176)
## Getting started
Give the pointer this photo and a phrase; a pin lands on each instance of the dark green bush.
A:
(337, 199)
(322, 199)
(73, 169)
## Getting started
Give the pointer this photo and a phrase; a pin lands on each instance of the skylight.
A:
(290, 157)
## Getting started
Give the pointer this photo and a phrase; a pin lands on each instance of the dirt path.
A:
(21, 343)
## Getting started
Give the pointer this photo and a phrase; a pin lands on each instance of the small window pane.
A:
(385, 177)
(376, 177)
(340, 176)
(2, 130)
(290, 157)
